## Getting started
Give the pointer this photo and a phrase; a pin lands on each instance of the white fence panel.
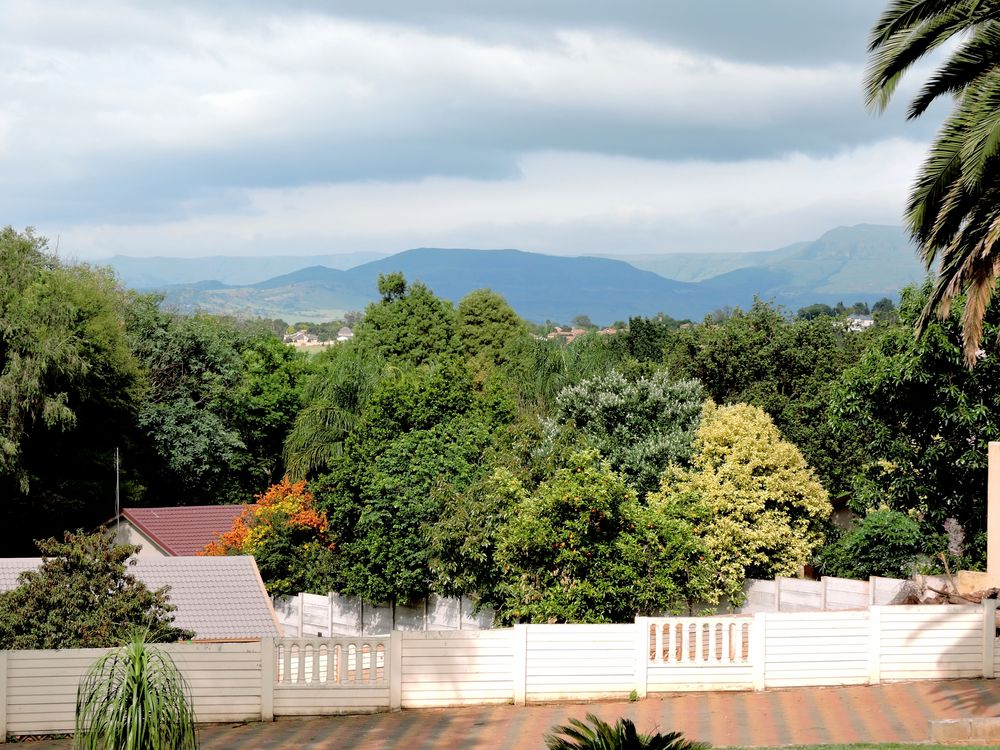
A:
(918, 642)
(843, 593)
(579, 662)
(457, 668)
(799, 595)
(323, 676)
(225, 684)
(761, 596)
(699, 653)
(816, 648)
(891, 590)
(315, 615)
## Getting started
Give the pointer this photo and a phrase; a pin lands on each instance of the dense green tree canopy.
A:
(409, 325)
(760, 508)
(82, 596)
(788, 368)
(582, 548)
(640, 424)
(68, 388)
(421, 437)
(924, 419)
(486, 324)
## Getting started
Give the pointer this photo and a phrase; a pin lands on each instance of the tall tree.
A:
(639, 424)
(758, 505)
(68, 385)
(83, 596)
(954, 206)
(410, 324)
(925, 421)
(485, 325)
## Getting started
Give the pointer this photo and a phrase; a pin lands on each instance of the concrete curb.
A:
(958, 730)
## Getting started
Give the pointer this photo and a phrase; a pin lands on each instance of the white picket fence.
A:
(531, 663)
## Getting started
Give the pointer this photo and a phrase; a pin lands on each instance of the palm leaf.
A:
(596, 734)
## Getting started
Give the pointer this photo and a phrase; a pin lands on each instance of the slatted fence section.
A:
(225, 682)
(800, 595)
(324, 676)
(456, 668)
(843, 593)
(579, 662)
(698, 653)
(816, 648)
(930, 642)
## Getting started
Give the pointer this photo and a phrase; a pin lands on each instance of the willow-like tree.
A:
(954, 206)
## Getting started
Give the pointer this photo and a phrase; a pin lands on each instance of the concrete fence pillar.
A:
(3, 696)
(874, 645)
(520, 664)
(758, 650)
(641, 655)
(989, 637)
(395, 670)
(268, 675)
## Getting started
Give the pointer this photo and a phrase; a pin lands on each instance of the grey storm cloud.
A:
(114, 112)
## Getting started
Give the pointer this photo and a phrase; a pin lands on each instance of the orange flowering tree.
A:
(287, 534)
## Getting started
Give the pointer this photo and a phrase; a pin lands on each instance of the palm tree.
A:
(954, 206)
(621, 736)
(134, 698)
(334, 399)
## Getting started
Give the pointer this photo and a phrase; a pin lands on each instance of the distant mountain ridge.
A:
(847, 264)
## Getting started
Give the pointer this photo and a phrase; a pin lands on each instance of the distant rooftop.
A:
(183, 530)
(217, 598)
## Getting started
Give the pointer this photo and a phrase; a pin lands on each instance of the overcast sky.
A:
(252, 127)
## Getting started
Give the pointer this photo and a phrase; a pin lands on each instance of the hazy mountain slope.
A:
(156, 272)
(848, 264)
(541, 287)
(702, 266)
(863, 259)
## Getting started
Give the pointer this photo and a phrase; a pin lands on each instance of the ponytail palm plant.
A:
(599, 735)
(134, 698)
(954, 206)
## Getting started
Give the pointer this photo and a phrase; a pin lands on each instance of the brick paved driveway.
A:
(896, 712)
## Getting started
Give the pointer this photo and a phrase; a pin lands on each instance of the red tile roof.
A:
(184, 530)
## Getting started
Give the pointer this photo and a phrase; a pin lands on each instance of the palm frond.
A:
(596, 734)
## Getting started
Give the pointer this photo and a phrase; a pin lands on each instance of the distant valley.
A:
(848, 264)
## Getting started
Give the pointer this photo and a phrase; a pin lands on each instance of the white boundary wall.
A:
(332, 615)
(313, 676)
(825, 595)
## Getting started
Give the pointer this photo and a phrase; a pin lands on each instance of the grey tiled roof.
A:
(217, 598)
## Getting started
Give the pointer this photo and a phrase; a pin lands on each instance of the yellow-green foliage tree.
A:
(756, 503)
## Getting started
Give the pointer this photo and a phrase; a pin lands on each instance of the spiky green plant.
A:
(134, 698)
(621, 736)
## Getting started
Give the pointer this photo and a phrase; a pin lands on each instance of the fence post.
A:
(302, 611)
(395, 670)
(989, 637)
(3, 696)
(824, 584)
(777, 593)
(641, 655)
(758, 649)
(872, 586)
(520, 664)
(874, 645)
(267, 678)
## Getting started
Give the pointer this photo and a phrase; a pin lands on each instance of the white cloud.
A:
(562, 202)
(190, 128)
